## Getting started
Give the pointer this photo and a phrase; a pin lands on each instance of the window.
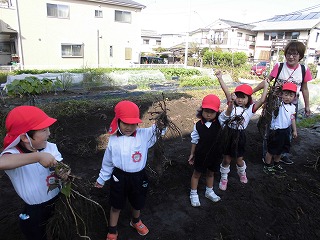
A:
(6, 4)
(72, 50)
(146, 41)
(57, 10)
(98, 13)
(273, 36)
(122, 16)
(250, 38)
(5, 47)
(158, 42)
(111, 51)
(218, 37)
(295, 35)
(239, 34)
(266, 36)
(128, 53)
(317, 37)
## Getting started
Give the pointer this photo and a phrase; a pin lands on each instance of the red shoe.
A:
(112, 236)
(140, 227)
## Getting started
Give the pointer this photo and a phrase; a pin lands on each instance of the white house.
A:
(273, 35)
(149, 41)
(224, 34)
(64, 34)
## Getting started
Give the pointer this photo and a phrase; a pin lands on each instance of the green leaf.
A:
(66, 189)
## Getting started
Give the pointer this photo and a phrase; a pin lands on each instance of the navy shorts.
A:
(34, 227)
(279, 141)
(131, 186)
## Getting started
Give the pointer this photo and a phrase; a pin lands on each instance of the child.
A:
(279, 134)
(234, 121)
(124, 164)
(204, 153)
(25, 144)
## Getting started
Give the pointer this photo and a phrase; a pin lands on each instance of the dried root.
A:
(271, 105)
(163, 123)
(74, 210)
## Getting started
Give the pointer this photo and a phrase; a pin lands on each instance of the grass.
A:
(308, 122)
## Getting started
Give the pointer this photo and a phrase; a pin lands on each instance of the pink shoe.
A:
(223, 184)
(243, 178)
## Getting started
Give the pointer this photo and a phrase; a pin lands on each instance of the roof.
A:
(150, 33)
(234, 24)
(5, 28)
(125, 3)
(294, 21)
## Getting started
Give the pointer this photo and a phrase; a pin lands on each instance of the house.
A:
(273, 35)
(224, 34)
(65, 34)
(150, 41)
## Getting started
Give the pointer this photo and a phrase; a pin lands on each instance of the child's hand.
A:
(294, 134)
(98, 185)
(191, 159)
(46, 159)
(233, 96)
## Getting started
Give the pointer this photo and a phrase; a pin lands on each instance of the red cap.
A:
(128, 112)
(244, 88)
(211, 101)
(23, 119)
(289, 87)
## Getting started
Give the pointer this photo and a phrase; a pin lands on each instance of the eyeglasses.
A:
(293, 54)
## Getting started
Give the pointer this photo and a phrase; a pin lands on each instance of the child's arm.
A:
(261, 101)
(11, 161)
(259, 86)
(294, 128)
(106, 169)
(191, 157)
(223, 86)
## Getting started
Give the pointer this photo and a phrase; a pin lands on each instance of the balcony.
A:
(281, 43)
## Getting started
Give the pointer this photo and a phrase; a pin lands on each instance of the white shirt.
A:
(128, 153)
(31, 181)
(284, 118)
(244, 113)
(195, 135)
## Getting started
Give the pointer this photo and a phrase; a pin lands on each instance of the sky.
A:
(180, 16)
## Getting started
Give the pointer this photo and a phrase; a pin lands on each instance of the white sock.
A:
(193, 192)
(209, 190)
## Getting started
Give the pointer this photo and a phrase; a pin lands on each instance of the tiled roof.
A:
(238, 24)
(149, 33)
(5, 28)
(125, 3)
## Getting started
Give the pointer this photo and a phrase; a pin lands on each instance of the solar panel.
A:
(294, 17)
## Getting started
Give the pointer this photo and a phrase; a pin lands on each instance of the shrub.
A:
(29, 86)
(198, 81)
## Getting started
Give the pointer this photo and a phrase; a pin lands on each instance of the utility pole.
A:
(187, 39)
(20, 38)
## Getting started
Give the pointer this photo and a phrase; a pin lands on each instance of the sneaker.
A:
(243, 178)
(112, 236)
(194, 199)
(269, 170)
(212, 196)
(140, 227)
(278, 169)
(286, 160)
(223, 184)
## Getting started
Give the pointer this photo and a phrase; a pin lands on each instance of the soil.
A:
(265, 208)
